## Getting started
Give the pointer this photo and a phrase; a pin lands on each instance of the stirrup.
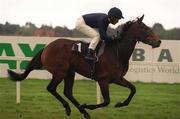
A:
(93, 58)
(90, 58)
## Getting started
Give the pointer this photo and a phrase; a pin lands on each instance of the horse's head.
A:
(140, 32)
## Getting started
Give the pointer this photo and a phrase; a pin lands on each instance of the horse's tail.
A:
(35, 63)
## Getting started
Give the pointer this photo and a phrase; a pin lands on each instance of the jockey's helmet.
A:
(115, 12)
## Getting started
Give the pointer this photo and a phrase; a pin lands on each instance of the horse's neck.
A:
(126, 48)
(120, 52)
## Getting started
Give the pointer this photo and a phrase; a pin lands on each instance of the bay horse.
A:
(59, 59)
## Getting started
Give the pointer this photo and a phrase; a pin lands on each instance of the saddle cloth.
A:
(81, 46)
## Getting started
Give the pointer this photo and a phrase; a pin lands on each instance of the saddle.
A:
(82, 48)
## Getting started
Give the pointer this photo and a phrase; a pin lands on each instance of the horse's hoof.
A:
(119, 105)
(68, 111)
(87, 116)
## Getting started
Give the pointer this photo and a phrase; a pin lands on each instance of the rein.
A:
(121, 37)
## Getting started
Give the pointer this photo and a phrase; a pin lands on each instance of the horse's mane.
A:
(125, 28)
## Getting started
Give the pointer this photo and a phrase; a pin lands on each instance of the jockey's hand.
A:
(114, 37)
(117, 36)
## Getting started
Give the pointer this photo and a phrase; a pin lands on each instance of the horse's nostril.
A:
(159, 41)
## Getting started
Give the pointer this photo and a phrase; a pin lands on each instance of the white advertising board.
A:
(146, 64)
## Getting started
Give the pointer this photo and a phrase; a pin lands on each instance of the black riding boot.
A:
(90, 55)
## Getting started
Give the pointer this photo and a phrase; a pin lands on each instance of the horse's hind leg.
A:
(68, 87)
(52, 89)
(123, 82)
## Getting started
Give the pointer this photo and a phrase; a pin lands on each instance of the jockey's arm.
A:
(102, 31)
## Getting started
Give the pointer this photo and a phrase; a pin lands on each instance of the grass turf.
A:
(152, 101)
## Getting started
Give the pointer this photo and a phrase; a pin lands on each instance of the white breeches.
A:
(87, 30)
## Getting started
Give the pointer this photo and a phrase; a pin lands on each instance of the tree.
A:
(1, 29)
(172, 34)
(63, 32)
(45, 30)
(11, 29)
(28, 29)
(159, 30)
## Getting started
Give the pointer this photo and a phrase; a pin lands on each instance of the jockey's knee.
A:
(95, 41)
(97, 37)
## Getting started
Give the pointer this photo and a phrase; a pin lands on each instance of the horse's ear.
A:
(140, 19)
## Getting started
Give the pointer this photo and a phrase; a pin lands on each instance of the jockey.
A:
(89, 23)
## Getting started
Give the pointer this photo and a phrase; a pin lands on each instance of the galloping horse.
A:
(59, 59)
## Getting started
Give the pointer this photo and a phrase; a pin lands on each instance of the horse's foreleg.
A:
(68, 87)
(104, 86)
(52, 89)
(123, 82)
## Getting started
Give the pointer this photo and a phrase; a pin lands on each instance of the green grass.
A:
(152, 101)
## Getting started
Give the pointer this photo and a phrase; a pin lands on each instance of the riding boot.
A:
(90, 55)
